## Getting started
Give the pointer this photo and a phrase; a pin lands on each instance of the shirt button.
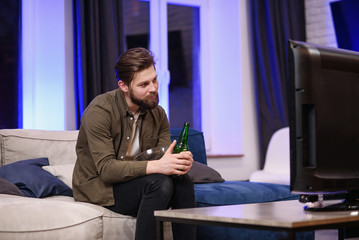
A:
(128, 138)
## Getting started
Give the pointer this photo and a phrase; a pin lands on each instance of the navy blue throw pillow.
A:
(32, 180)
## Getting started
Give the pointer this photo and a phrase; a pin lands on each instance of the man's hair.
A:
(131, 62)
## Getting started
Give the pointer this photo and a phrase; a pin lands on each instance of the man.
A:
(115, 127)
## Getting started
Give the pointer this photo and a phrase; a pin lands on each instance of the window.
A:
(191, 59)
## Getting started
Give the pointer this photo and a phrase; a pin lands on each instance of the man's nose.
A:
(153, 87)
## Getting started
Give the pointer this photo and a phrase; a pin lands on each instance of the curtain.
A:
(98, 41)
(10, 64)
(273, 23)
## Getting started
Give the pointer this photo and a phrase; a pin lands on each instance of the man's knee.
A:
(162, 185)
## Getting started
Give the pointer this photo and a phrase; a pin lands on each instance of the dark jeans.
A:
(140, 197)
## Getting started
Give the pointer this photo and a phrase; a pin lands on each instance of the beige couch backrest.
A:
(22, 144)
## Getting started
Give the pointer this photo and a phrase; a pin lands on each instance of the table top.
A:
(281, 214)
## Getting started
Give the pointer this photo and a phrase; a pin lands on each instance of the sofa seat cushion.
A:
(125, 225)
(31, 218)
(240, 192)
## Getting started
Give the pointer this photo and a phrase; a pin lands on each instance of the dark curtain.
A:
(98, 41)
(10, 68)
(273, 23)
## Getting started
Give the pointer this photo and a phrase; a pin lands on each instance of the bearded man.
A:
(115, 127)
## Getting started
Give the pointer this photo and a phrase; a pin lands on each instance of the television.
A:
(323, 103)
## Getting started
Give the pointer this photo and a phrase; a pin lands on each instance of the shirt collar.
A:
(122, 104)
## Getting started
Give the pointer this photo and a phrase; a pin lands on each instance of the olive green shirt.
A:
(104, 136)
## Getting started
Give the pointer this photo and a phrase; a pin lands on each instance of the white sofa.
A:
(53, 217)
(277, 161)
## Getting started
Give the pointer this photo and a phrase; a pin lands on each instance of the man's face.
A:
(143, 89)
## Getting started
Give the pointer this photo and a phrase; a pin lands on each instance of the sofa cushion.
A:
(7, 187)
(237, 192)
(30, 218)
(125, 225)
(201, 173)
(20, 144)
(32, 180)
(205, 232)
(63, 172)
(195, 143)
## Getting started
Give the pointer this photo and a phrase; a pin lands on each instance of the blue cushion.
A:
(238, 192)
(32, 180)
(205, 232)
(195, 143)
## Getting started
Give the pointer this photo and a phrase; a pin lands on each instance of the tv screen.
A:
(324, 123)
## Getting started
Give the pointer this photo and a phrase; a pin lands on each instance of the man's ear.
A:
(123, 86)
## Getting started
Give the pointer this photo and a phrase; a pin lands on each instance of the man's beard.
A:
(147, 102)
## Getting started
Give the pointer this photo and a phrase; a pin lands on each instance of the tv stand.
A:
(324, 202)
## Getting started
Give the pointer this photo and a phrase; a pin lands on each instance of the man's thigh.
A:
(128, 195)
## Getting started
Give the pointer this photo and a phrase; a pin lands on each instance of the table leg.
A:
(160, 233)
(341, 234)
(292, 235)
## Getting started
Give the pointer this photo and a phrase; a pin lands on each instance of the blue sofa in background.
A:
(234, 192)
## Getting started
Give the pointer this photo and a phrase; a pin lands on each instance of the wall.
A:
(319, 23)
(240, 168)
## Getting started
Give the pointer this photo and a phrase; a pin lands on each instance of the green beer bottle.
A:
(183, 139)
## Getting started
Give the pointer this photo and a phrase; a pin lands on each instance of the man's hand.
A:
(171, 164)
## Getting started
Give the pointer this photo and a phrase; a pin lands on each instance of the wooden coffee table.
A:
(287, 216)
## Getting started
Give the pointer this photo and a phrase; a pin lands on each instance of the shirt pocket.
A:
(148, 143)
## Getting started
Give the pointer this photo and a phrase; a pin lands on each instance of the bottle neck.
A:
(182, 141)
(184, 136)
